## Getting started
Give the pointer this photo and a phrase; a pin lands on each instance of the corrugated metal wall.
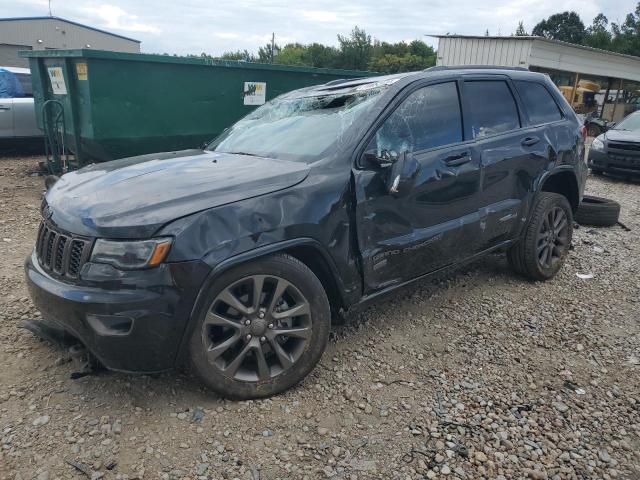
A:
(536, 52)
(509, 52)
(584, 61)
(54, 33)
(9, 56)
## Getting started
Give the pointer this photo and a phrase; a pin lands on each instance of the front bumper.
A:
(131, 321)
(614, 163)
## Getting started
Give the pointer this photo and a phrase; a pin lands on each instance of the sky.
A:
(218, 26)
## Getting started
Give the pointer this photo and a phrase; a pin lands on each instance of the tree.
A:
(355, 49)
(598, 35)
(322, 56)
(401, 57)
(565, 26)
(268, 53)
(626, 37)
(520, 31)
(243, 55)
(291, 54)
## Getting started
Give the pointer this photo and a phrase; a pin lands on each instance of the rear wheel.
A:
(545, 244)
(263, 330)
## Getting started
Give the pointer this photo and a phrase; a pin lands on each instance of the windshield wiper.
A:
(243, 153)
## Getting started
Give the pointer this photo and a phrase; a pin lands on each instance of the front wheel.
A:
(542, 250)
(593, 130)
(263, 329)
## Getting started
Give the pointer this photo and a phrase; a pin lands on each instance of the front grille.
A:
(61, 253)
(633, 148)
(622, 161)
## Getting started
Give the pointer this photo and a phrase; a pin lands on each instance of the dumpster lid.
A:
(206, 62)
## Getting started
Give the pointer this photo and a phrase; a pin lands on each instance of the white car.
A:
(17, 111)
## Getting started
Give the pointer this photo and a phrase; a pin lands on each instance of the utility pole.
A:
(50, 9)
(273, 44)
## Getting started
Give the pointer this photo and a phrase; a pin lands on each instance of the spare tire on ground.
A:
(597, 212)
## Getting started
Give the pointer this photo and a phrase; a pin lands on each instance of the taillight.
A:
(583, 132)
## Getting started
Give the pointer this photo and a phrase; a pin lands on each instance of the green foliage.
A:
(520, 31)
(243, 55)
(621, 38)
(356, 51)
(565, 26)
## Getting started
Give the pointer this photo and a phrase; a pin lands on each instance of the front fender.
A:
(245, 257)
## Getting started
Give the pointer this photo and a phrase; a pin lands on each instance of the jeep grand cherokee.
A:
(236, 257)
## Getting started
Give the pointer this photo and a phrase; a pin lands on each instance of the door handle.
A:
(457, 159)
(530, 141)
(4, 107)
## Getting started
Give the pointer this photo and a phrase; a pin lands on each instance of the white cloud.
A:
(116, 18)
(194, 26)
(226, 35)
(320, 15)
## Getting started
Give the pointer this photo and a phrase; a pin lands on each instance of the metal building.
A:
(572, 67)
(44, 33)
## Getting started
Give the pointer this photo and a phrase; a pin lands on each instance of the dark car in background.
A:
(235, 258)
(618, 150)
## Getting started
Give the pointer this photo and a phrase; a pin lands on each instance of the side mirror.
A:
(386, 159)
(402, 175)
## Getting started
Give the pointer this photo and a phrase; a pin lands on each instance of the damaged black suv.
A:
(236, 257)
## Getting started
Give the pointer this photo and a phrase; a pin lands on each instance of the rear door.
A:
(24, 112)
(508, 151)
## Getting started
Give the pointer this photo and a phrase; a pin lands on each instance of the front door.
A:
(24, 116)
(437, 223)
(6, 117)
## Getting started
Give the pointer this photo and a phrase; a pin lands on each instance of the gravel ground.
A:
(479, 375)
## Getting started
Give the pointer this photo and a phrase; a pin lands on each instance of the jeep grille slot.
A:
(61, 253)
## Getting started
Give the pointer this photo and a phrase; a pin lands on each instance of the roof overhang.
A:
(552, 54)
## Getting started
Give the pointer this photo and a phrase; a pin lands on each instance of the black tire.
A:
(524, 258)
(593, 130)
(598, 212)
(275, 268)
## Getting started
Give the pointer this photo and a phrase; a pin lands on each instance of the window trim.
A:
(530, 123)
(466, 115)
(395, 103)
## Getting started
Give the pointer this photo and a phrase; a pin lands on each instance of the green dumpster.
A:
(107, 105)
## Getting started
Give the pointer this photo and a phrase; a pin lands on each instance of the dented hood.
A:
(133, 197)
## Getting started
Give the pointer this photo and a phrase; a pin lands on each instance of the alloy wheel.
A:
(256, 328)
(553, 237)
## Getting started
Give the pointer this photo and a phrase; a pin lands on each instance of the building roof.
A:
(71, 22)
(536, 38)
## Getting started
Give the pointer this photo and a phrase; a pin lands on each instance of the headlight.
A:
(597, 144)
(131, 255)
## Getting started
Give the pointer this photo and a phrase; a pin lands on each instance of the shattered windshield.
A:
(297, 128)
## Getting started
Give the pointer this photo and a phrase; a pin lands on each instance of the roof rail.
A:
(341, 80)
(474, 67)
